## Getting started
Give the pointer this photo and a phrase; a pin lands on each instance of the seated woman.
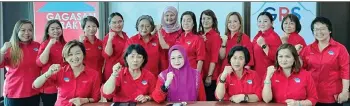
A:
(236, 83)
(77, 84)
(132, 83)
(288, 82)
(179, 82)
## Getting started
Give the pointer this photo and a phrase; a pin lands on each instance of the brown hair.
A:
(47, 26)
(240, 30)
(213, 16)
(296, 65)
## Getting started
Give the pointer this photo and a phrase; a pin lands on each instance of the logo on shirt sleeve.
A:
(144, 82)
(249, 82)
(297, 80)
(330, 52)
(99, 47)
(188, 42)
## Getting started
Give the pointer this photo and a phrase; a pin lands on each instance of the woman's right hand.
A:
(6, 46)
(169, 78)
(53, 69)
(227, 71)
(116, 69)
(270, 71)
(52, 41)
(111, 36)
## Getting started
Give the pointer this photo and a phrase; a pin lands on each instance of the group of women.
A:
(175, 62)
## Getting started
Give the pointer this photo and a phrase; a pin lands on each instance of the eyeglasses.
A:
(320, 29)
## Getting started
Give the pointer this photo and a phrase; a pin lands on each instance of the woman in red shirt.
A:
(208, 28)
(18, 56)
(132, 83)
(144, 26)
(92, 44)
(235, 36)
(291, 27)
(50, 52)
(179, 77)
(328, 62)
(113, 44)
(236, 83)
(77, 83)
(265, 43)
(287, 82)
(193, 43)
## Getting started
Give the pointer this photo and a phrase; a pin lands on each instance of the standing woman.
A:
(168, 31)
(50, 53)
(18, 56)
(286, 82)
(328, 62)
(192, 42)
(291, 27)
(208, 28)
(265, 43)
(235, 36)
(113, 44)
(144, 26)
(92, 44)
(77, 83)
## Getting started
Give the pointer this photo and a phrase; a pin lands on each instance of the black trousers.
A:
(210, 91)
(29, 101)
(48, 99)
(328, 104)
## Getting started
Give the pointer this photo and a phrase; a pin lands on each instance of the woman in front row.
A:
(179, 82)
(236, 83)
(132, 83)
(286, 82)
(77, 84)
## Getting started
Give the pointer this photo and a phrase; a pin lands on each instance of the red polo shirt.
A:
(194, 46)
(298, 86)
(118, 44)
(159, 96)
(85, 85)
(262, 61)
(153, 50)
(327, 67)
(212, 48)
(127, 89)
(93, 56)
(250, 83)
(231, 42)
(170, 39)
(294, 39)
(19, 79)
(55, 57)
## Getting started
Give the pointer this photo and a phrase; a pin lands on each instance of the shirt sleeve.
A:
(158, 95)
(249, 46)
(343, 60)
(200, 49)
(311, 89)
(96, 95)
(273, 45)
(258, 87)
(215, 48)
(6, 59)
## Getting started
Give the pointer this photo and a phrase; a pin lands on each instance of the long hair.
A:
(47, 26)
(240, 30)
(213, 16)
(193, 16)
(16, 51)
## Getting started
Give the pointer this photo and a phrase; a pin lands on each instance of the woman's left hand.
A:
(291, 102)
(342, 97)
(208, 81)
(78, 101)
(142, 98)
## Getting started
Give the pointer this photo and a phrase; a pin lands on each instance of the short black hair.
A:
(267, 14)
(91, 19)
(139, 50)
(294, 19)
(113, 15)
(322, 20)
(239, 48)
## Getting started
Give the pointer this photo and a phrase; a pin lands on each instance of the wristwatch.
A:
(246, 98)
(263, 46)
(222, 81)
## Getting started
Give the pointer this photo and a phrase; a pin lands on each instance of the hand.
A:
(82, 37)
(169, 78)
(52, 41)
(78, 101)
(207, 81)
(111, 35)
(298, 47)
(284, 38)
(261, 41)
(227, 71)
(53, 69)
(224, 39)
(237, 98)
(116, 69)
(247, 67)
(270, 71)
(142, 98)
(204, 37)
(342, 97)
(291, 102)
(156, 29)
(6, 46)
